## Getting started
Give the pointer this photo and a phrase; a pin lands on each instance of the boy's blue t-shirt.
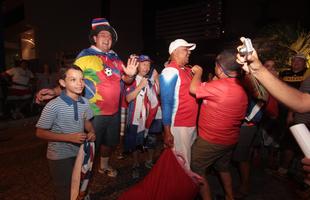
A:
(64, 115)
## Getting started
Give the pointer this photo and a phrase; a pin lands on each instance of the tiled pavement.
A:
(24, 171)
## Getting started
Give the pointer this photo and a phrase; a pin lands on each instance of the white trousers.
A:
(184, 138)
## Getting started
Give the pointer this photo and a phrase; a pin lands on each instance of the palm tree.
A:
(280, 42)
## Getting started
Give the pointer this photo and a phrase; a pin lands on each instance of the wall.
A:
(60, 25)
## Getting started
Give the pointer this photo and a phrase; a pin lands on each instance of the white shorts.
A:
(184, 138)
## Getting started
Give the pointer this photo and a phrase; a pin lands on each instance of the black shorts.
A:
(107, 128)
(245, 142)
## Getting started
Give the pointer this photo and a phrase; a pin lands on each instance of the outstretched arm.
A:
(47, 94)
(291, 97)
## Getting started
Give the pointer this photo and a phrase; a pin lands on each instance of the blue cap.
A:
(143, 58)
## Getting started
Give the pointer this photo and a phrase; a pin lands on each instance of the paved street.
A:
(24, 172)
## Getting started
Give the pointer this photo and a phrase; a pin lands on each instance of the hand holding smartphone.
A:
(247, 47)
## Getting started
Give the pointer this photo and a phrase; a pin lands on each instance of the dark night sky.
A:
(245, 17)
(249, 16)
(240, 17)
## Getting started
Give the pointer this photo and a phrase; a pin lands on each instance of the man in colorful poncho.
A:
(103, 71)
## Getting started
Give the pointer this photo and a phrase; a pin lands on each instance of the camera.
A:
(247, 47)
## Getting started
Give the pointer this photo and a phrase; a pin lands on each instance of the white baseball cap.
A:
(180, 43)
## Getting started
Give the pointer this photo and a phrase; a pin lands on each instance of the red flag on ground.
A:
(167, 180)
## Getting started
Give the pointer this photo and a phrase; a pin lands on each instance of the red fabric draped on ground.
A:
(167, 180)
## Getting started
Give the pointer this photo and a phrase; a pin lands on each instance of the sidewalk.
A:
(24, 171)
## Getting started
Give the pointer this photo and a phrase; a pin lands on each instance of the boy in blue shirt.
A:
(64, 123)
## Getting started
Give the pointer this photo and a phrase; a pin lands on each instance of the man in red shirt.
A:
(222, 112)
(179, 107)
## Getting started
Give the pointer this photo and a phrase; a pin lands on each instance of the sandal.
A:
(109, 172)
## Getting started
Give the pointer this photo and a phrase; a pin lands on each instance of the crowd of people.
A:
(210, 123)
(18, 85)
